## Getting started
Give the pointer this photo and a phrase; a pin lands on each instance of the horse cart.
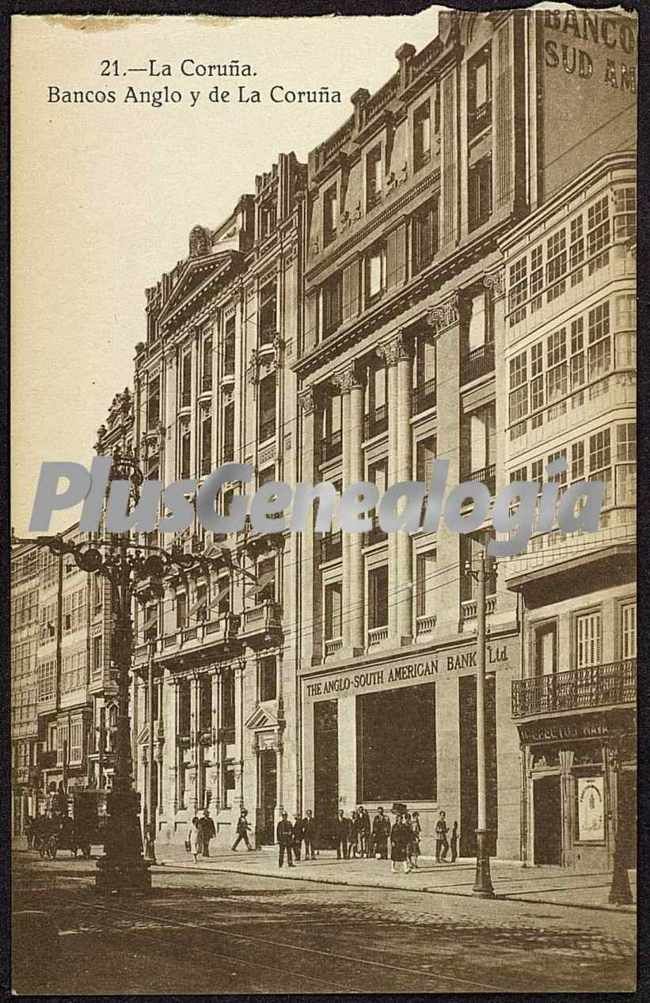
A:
(77, 830)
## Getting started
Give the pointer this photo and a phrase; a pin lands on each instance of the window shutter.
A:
(396, 257)
(351, 291)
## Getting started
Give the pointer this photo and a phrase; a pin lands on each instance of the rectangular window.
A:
(268, 219)
(330, 214)
(185, 451)
(374, 177)
(206, 445)
(627, 628)
(153, 404)
(479, 92)
(518, 286)
(599, 353)
(545, 649)
(268, 678)
(266, 584)
(598, 234)
(588, 640)
(184, 708)
(228, 700)
(626, 463)
(422, 135)
(332, 300)
(181, 611)
(556, 258)
(97, 655)
(378, 597)
(576, 249)
(186, 380)
(385, 745)
(625, 214)
(229, 347)
(268, 322)
(425, 574)
(578, 461)
(480, 192)
(228, 450)
(266, 428)
(425, 457)
(375, 273)
(333, 611)
(76, 742)
(425, 235)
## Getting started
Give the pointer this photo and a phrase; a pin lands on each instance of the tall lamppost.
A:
(131, 568)
(483, 880)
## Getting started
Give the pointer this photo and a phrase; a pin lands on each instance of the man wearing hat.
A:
(243, 828)
(380, 834)
(284, 834)
(207, 831)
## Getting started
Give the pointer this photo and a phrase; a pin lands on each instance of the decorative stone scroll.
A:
(306, 400)
(446, 314)
(395, 350)
(347, 380)
(496, 282)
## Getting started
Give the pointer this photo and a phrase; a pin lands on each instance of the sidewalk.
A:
(553, 885)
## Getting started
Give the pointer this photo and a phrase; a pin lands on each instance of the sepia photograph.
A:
(323, 623)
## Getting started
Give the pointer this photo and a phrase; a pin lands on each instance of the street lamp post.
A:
(150, 835)
(130, 568)
(483, 881)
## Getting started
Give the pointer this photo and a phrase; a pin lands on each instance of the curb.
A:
(505, 897)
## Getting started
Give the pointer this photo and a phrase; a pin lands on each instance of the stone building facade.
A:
(396, 300)
(24, 715)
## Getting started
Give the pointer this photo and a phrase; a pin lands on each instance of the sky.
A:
(104, 195)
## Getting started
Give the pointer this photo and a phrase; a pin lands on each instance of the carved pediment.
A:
(264, 716)
(196, 273)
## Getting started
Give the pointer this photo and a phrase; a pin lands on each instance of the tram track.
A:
(360, 969)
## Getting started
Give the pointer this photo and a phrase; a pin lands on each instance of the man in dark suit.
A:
(380, 834)
(297, 836)
(309, 835)
(343, 831)
(284, 835)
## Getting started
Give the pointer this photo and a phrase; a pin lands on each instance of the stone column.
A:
(400, 462)
(353, 591)
(194, 741)
(445, 321)
(310, 644)
(171, 748)
(239, 669)
(566, 804)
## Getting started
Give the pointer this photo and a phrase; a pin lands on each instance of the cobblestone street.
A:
(255, 933)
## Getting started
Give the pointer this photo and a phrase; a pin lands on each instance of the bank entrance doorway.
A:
(268, 796)
(547, 822)
(326, 772)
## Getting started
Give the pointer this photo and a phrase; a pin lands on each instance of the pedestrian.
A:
(454, 842)
(29, 831)
(416, 831)
(400, 836)
(343, 832)
(193, 838)
(309, 835)
(284, 835)
(364, 831)
(297, 836)
(380, 833)
(354, 834)
(243, 828)
(207, 831)
(442, 845)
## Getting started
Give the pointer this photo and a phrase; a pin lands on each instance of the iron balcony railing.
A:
(577, 689)
(375, 423)
(486, 475)
(424, 397)
(479, 362)
(331, 447)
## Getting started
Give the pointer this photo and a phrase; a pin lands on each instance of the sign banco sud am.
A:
(501, 654)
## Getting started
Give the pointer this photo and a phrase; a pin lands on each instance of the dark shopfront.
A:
(580, 790)
(406, 732)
